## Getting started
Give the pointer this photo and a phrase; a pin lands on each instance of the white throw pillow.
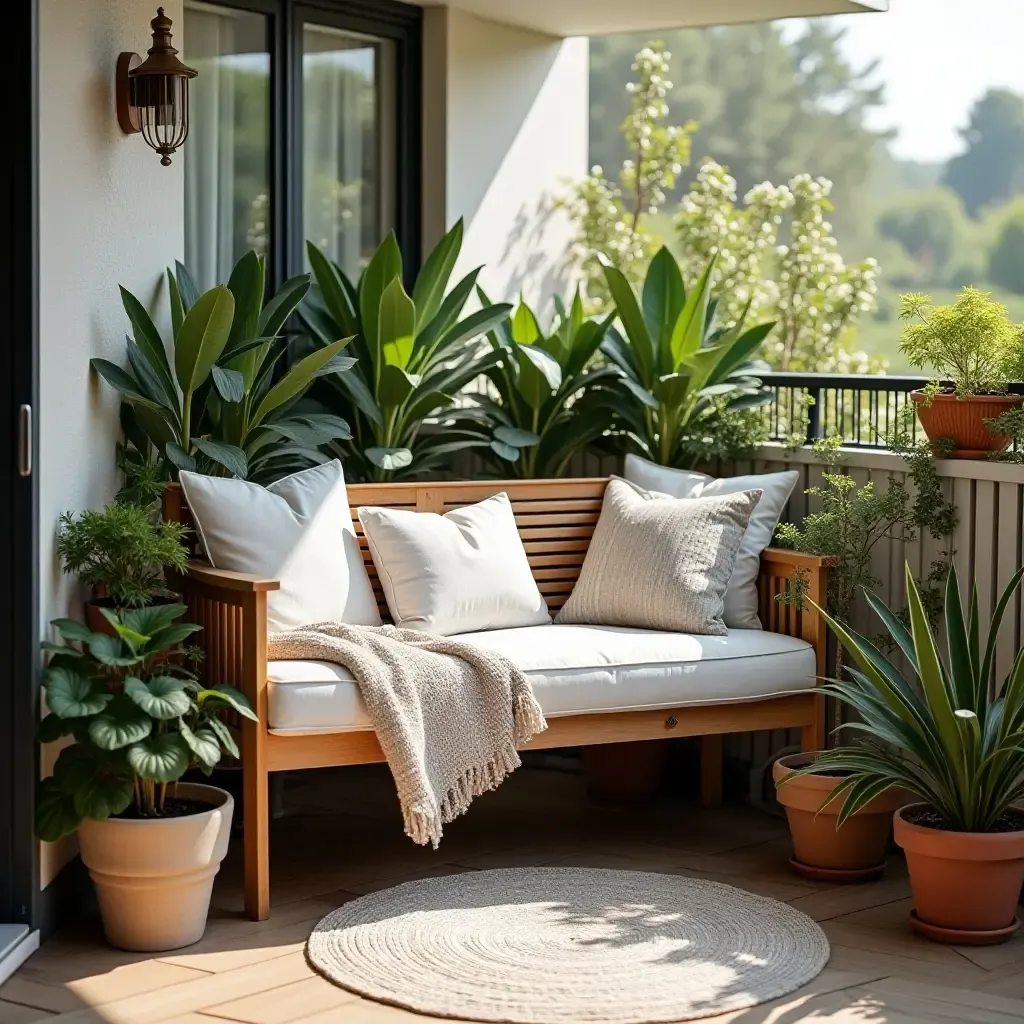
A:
(299, 531)
(458, 573)
(775, 488)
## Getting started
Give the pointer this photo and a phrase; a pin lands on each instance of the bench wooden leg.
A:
(257, 845)
(812, 736)
(711, 768)
(256, 777)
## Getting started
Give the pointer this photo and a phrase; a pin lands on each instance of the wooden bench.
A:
(556, 520)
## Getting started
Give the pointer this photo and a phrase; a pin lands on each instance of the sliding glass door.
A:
(305, 125)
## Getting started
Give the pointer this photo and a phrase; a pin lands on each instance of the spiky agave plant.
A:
(941, 735)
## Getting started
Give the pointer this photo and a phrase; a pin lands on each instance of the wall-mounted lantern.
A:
(152, 94)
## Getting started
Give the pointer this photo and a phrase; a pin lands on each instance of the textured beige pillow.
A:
(660, 563)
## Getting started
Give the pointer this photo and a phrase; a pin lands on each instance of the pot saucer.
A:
(962, 936)
(816, 874)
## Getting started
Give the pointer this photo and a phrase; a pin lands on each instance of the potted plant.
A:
(139, 719)
(122, 554)
(974, 346)
(955, 743)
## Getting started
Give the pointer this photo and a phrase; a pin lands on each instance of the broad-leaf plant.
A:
(548, 399)
(682, 373)
(414, 354)
(138, 716)
(947, 734)
(217, 402)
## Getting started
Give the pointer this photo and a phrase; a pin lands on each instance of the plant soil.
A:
(173, 808)
(1010, 821)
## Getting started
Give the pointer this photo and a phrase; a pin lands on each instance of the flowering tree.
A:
(777, 253)
(609, 216)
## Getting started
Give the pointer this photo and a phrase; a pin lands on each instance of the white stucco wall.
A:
(511, 108)
(109, 214)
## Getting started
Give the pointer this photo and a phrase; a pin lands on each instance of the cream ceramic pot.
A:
(154, 877)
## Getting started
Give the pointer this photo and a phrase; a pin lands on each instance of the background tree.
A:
(991, 168)
(1006, 258)
(931, 227)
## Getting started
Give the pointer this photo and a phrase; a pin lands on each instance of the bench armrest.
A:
(796, 559)
(224, 579)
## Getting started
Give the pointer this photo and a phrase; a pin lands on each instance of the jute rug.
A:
(554, 945)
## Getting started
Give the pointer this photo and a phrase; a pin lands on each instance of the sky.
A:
(937, 57)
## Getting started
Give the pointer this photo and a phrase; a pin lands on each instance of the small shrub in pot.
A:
(139, 719)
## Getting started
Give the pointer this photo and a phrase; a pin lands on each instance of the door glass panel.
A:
(347, 183)
(227, 156)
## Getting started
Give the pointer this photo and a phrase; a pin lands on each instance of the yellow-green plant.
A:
(972, 342)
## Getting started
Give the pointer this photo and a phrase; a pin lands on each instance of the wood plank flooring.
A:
(879, 973)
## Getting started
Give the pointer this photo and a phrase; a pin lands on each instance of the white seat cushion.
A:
(575, 670)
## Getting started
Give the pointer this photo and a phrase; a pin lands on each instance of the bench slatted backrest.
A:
(556, 519)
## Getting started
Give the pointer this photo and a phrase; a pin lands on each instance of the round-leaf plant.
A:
(140, 719)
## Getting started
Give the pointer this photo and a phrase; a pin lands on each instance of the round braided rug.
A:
(553, 945)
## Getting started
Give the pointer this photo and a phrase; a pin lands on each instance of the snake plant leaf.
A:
(961, 671)
(177, 306)
(432, 280)
(202, 338)
(435, 328)
(124, 382)
(295, 381)
(277, 311)
(385, 265)
(428, 403)
(539, 374)
(150, 382)
(688, 330)
(120, 724)
(178, 457)
(355, 388)
(995, 624)
(396, 386)
(389, 458)
(72, 695)
(396, 324)
(163, 757)
(161, 697)
(663, 298)
(246, 284)
(525, 329)
(55, 814)
(231, 457)
(230, 384)
(337, 364)
(203, 742)
(473, 326)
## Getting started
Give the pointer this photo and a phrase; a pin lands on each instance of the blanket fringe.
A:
(528, 718)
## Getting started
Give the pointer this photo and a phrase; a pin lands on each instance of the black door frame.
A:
(19, 518)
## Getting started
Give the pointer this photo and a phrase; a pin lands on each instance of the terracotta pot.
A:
(964, 883)
(624, 771)
(963, 421)
(853, 853)
(153, 877)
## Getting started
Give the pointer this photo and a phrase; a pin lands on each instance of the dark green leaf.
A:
(163, 757)
(229, 456)
(230, 384)
(161, 697)
(56, 816)
(203, 742)
(70, 695)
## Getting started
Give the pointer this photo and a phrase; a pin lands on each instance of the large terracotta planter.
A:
(619, 772)
(962, 420)
(965, 884)
(853, 853)
(153, 877)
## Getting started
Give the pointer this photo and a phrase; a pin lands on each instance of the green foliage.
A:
(1009, 424)
(991, 167)
(214, 406)
(121, 552)
(931, 227)
(548, 398)
(139, 718)
(854, 518)
(607, 215)
(1006, 257)
(681, 372)
(778, 254)
(972, 342)
(413, 355)
(939, 734)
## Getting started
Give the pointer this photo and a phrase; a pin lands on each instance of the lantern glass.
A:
(162, 105)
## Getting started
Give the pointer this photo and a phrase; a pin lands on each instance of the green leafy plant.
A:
(1008, 424)
(121, 552)
(972, 342)
(681, 372)
(548, 399)
(414, 354)
(138, 717)
(214, 406)
(853, 518)
(941, 735)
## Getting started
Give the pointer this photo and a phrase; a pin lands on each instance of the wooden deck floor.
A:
(256, 973)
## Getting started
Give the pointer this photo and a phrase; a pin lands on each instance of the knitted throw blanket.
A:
(448, 715)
